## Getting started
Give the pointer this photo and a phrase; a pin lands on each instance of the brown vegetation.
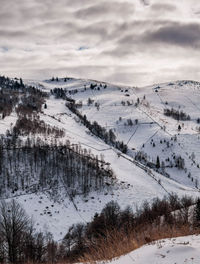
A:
(114, 232)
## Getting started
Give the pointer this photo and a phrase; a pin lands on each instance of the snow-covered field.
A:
(114, 106)
(181, 250)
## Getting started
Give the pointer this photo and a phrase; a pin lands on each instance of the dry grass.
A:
(117, 244)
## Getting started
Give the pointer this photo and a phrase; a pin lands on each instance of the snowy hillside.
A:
(136, 116)
(174, 251)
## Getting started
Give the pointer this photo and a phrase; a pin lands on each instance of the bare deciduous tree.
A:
(13, 224)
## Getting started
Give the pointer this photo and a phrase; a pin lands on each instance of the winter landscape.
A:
(100, 144)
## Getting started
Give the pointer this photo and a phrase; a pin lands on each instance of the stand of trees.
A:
(35, 165)
(15, 94)
(176, 114)
(33, 125)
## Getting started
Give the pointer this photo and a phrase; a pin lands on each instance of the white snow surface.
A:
(181, 250)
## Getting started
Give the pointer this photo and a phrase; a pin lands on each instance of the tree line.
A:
(176, 114)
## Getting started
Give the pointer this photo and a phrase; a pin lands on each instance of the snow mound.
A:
(179, 250)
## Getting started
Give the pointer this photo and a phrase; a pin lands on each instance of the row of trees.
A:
(107, 136)
(176, 114)
(35, 165)
(56, 79)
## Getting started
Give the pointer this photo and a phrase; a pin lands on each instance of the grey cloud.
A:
(176, 34)
(165, 34)
(12, 33)
(107, 8)
(163, 7)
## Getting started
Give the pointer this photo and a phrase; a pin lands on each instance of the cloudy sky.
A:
(135, 42)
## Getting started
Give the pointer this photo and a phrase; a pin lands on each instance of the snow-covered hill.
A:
(136, 117)
(143, 126)
(179, 250)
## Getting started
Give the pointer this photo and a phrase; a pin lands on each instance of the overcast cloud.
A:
(135, 42)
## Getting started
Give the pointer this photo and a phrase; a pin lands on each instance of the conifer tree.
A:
(158, 163)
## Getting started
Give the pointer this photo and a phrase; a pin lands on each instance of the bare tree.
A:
(13, 224)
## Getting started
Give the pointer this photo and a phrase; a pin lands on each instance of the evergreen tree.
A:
(158, 163)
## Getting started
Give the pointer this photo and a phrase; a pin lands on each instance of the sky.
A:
(132, 42)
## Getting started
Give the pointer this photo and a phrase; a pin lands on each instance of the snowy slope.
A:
(183, 95)
(134, 183)
(168, 251)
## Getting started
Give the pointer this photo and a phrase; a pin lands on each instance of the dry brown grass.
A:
(117, 244)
